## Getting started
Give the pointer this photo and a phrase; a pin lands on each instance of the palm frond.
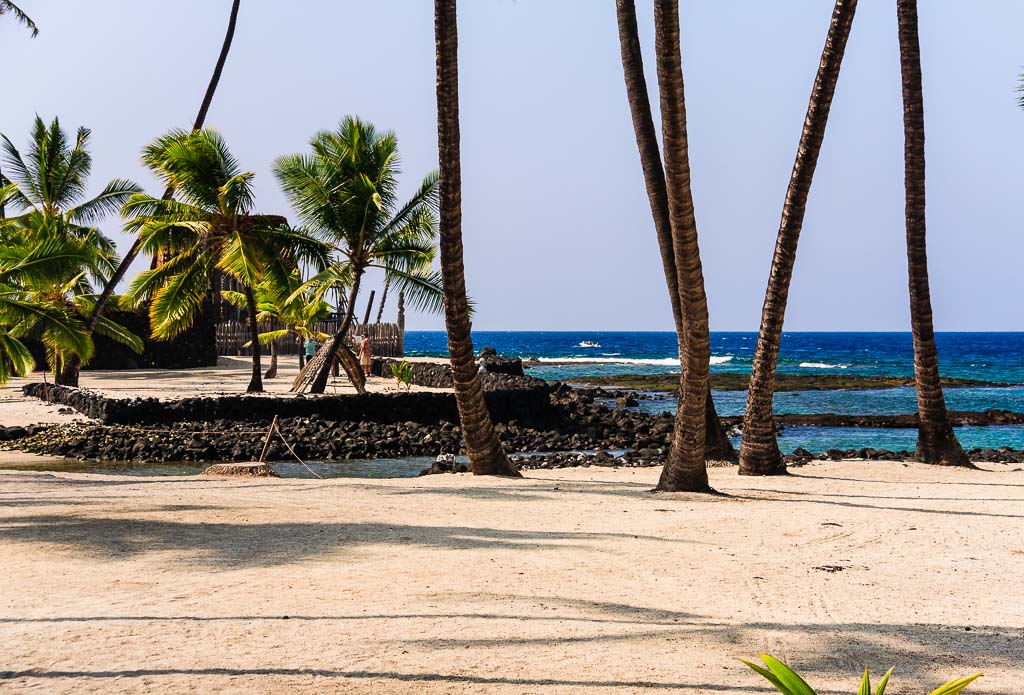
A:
(6, 6)
(109, 202)
(423, 290)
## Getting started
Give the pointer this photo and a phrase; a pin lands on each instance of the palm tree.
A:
(46, 290)
(288, 304)
(685, 467)
(47, 185)
(486, 457)
(936, 442)
(133, 252)
(210, 228)
(8, 7)
(759, 452)
(345, 193)
(717, 446)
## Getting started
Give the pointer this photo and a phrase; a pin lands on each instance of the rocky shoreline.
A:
(574, 423)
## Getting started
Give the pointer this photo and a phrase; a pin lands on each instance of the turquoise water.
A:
(897, 401)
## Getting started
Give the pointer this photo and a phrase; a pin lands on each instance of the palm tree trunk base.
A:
(717, 445)
(68, 376)
(502, 467)
(942, 449)
(763, 466)
(665, 486)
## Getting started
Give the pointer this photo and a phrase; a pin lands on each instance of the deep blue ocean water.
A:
(994, 357)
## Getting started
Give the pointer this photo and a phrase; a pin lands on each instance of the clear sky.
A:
(557, 228)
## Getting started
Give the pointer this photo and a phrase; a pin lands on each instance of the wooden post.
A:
(401, 325)
(369, 306)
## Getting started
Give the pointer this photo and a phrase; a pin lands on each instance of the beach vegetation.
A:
(789, 682)
(345, 193)
(402, 372)
(53, 254)
(295, 312)
(210, 229)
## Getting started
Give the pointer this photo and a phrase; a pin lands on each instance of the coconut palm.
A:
(936, 442)
(486, 456)
(345, 193)
(685, 467)
(290, 306)
(8, 7)
(759, 452)
(47, 186)
(717, 445)
(46, 275)
(133, 251)
(210, 229)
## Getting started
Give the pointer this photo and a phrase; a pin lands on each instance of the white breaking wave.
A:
(658, 362)
(822, 365)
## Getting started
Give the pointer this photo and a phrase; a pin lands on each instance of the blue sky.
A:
(557, 229)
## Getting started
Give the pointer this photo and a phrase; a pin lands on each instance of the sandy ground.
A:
(229, 377)
(568, 581)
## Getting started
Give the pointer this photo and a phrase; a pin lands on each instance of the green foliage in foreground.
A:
(51, 253)
(402, 373)
(788, 682)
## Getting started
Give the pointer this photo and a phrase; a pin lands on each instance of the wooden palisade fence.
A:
(388, 338)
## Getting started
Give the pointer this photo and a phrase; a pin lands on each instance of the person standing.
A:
(366, 355)
(310, 348)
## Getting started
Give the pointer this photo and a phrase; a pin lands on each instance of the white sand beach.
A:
(229, 377)
(574, 580)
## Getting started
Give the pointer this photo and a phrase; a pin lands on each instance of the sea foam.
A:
(657, 362)
(823, 365)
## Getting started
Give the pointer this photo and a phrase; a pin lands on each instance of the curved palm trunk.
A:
(685, 468)
(486, 457)
(74, 365)
(338, 350)
(717, 446)
(936, 442)
(271, 372)
(759, 452)
(256, 380)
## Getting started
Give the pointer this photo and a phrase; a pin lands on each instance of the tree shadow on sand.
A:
(266, 544)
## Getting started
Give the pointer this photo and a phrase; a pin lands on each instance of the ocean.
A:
(992, 357)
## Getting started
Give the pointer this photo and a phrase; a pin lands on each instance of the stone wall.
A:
(497, 372)
(526, 402)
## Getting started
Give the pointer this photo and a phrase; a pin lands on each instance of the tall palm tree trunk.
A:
(256, 381)
(337, 348)
(717, 446)
(685, 467)
(74, 365)
(936, 442)
(759, 452)
(486, 457)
